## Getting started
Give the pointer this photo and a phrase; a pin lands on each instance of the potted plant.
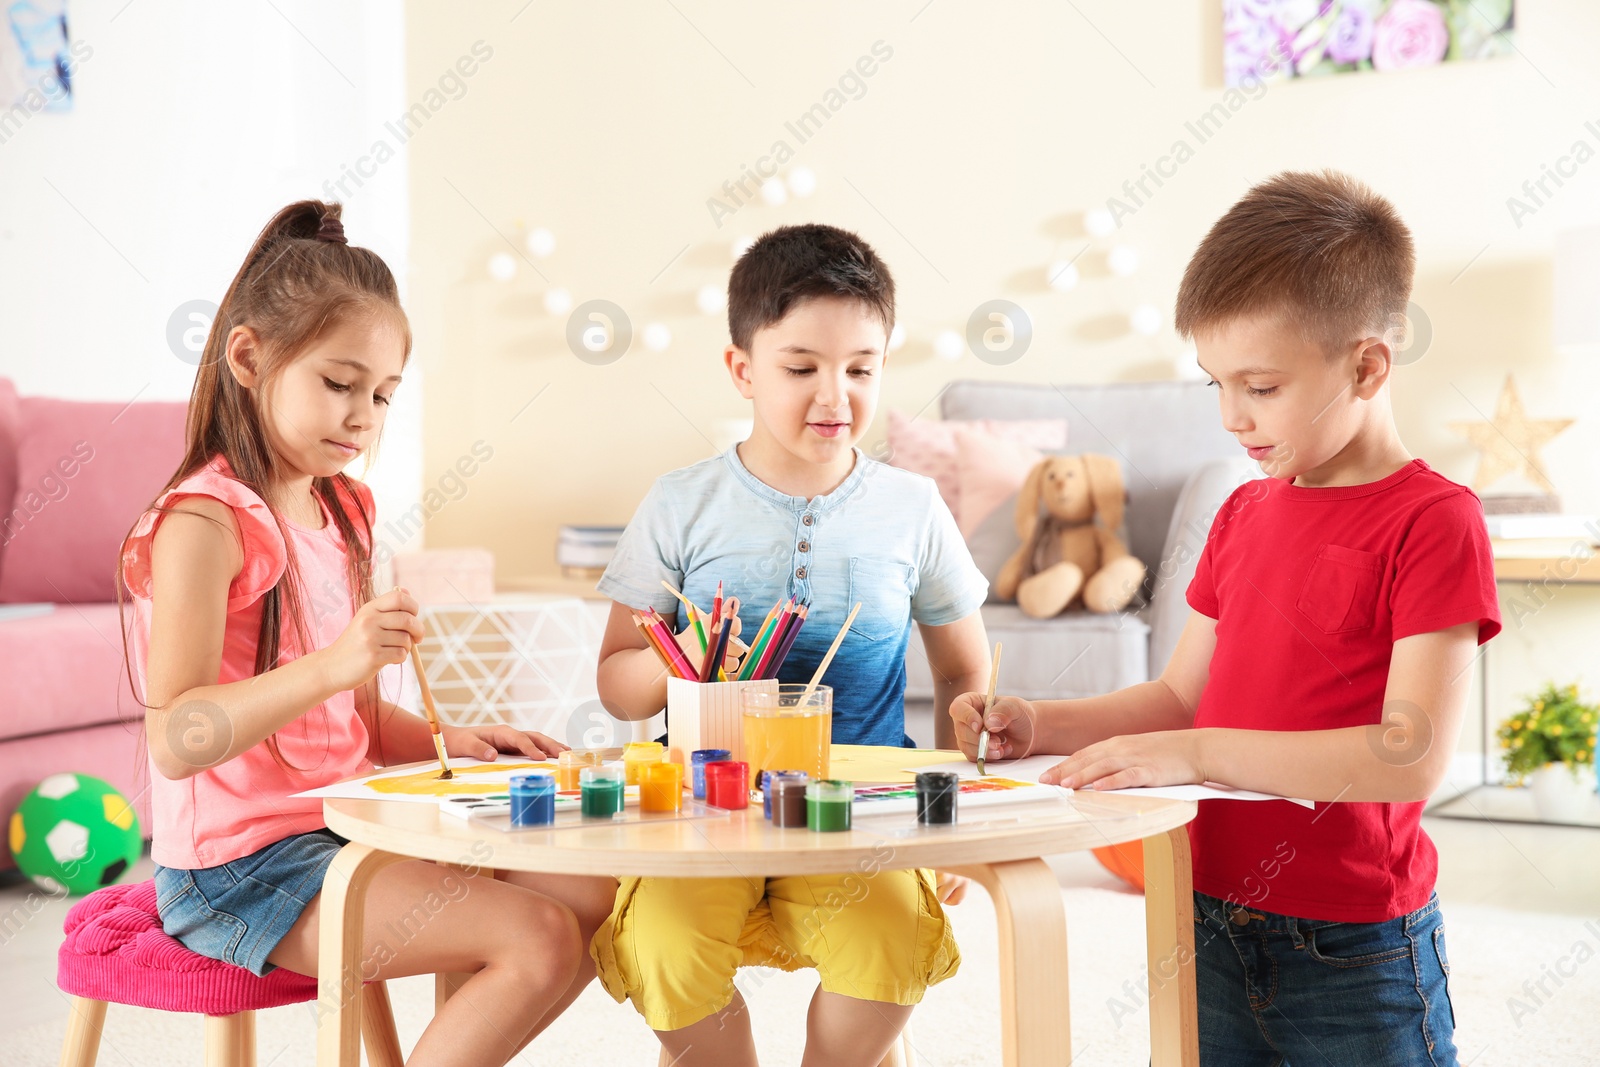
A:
(1550, 743)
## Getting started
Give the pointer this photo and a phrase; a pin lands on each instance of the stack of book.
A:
(584, 551)
(1534, 535)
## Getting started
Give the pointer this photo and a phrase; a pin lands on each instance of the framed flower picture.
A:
(1271, 40)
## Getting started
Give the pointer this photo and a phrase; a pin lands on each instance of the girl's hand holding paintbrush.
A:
(1011, 724)
(381, 634)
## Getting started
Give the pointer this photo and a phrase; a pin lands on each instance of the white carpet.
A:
(1493, 952)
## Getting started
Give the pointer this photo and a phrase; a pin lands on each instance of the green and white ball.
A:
(74, 834)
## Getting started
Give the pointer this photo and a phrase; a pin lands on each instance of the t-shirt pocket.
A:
(883, 589)
(1340, 592)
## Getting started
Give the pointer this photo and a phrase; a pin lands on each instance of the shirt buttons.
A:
(800, 573)
(805, 546)
(806, 518)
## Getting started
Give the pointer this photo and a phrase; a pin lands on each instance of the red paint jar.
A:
(728, 784)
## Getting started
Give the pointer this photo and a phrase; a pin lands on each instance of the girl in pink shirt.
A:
(257, 641)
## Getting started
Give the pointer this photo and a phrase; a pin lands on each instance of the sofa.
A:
(74, 476)
(1178, 465)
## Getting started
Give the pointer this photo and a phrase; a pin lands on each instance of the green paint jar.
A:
(600, 791)
(828, 805)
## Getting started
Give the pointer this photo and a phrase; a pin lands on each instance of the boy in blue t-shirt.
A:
(796, 511)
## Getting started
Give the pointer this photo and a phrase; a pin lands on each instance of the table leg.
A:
(1034, 1013)
(1169, 941)
(344, 896)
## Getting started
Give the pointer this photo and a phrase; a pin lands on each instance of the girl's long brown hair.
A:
(292, 288)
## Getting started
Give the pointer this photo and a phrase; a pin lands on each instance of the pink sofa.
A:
(73, 478)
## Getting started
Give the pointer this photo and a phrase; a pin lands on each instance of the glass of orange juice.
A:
(782, 733)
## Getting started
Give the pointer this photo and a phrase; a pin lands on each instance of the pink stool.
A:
(116, 952)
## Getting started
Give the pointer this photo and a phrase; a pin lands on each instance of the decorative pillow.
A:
(85, 473)
(989, 472)
(10, 416)
(928, 446)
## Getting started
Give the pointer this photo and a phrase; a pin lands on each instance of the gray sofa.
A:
(1178, 464)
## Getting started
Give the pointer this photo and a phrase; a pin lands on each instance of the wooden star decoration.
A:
(1510, 441)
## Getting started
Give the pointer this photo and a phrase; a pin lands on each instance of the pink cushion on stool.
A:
(116, 951)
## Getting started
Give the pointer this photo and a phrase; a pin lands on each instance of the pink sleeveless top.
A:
(233, 809)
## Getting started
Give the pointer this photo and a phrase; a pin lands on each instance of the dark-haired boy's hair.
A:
(793, 264)
(1322, 251)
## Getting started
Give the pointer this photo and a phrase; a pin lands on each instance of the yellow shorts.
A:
(672, 945)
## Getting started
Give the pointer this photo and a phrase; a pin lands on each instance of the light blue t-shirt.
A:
(884, 537)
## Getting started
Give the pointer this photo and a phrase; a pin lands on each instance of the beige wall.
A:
(968, 161)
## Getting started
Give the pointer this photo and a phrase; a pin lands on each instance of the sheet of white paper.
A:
(1029, 769)
(356, 788)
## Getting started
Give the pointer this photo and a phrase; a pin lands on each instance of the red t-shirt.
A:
(1311, 588)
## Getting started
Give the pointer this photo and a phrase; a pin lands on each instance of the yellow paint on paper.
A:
(880, 763)
(428, 784)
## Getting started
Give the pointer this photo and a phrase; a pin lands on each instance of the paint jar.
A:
(728, 784)
(788, 798)
(533, 800)
(636, 755)
(601, 791)
(662, 788)
(697, 763)
(786, 729)
(936, 798)
(828, 805)
(767, 780)
(570, 764)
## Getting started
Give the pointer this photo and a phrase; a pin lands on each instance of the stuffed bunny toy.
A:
(1064, 553)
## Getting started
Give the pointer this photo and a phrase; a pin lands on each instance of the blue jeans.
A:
(1277, 991)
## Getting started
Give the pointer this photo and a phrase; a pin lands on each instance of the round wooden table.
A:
(1003, 855)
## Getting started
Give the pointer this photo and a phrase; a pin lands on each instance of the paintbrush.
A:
(988, 702)
(816, 679)
(433, 713)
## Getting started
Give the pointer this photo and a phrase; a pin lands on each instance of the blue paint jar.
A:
(697, 767)
(533, 800)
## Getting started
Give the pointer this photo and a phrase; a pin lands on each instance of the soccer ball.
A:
(74, 834)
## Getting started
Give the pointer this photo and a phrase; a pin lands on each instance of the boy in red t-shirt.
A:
(1337, 605)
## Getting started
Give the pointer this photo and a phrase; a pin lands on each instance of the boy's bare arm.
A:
(1401, 759)
(632, 680)
(958, 656)
(1020, 728)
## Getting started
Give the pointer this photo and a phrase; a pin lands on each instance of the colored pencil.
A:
(716, 608)
(758, 648)
(781, 640)
(694, 612)
(664, 634)
(655, 645)
(780, 627)
(719, 650)
(816, 679)
(789, 639)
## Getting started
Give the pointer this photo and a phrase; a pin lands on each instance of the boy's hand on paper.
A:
(952, 888)
(1163, 757)
(1011, 726)
(486, 742)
